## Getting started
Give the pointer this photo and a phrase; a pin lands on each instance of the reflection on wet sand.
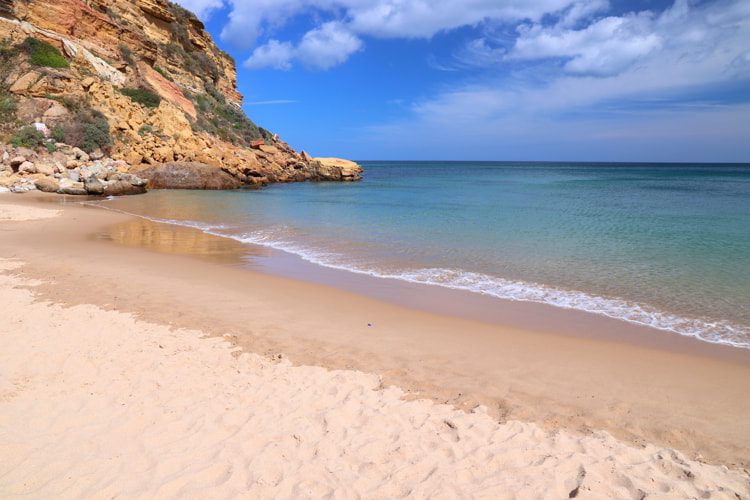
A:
(167, 238)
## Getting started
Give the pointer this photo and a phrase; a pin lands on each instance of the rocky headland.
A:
(130, 92)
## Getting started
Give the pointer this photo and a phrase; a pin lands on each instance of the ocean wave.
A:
(712, 331)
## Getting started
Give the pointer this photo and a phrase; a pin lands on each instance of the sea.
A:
(655, 244)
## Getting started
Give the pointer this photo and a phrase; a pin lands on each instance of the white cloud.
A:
(582, 10)
(321, 48)
(620, 79)
(605, 47)
(201, 8)
(327, 46)
(274, 54)
(249, 20)
(425, 18)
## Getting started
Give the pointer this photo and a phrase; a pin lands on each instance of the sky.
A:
(544, 80)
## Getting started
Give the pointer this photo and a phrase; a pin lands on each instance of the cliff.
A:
(150, 72)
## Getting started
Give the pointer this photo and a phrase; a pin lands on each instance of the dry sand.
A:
(24, 213)
(95, 402)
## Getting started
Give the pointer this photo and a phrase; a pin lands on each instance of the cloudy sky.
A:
(637, 80)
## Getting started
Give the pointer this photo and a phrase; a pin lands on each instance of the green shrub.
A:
(7, 106)
(51, 147)
(142, 96)
(43, 54)
(145, 129)
(227, 121)
(58, 133)
(181, 48)
(96, 133)
(27, 137)
(87, 129)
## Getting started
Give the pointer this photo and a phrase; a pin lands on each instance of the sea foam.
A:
(705, 329)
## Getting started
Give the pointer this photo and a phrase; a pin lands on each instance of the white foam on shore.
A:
(707, 330)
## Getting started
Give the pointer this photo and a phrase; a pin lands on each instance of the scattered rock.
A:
(57, 113)
(27, 153)
(73, 188)
(184, 175)
(45, 168)
(123, 188)
(47, 185)
(27, 168)
(23, 186)
(81, 155)
(94, 186)
(86, 83)
(15, 162)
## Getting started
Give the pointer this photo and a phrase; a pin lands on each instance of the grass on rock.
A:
(142, 96)
(43, 54)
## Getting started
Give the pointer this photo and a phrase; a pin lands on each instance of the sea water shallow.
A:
(663, 245)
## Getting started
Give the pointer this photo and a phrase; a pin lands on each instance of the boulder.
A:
(94, 186)
(69, 187)
(23, 186)
(44, 168)
(80, 155)
(57, 113)
(123, 188)
(188, 175)
(95, 170)
(335, 169)
(27, 153)
(27, 168)
(16, 162)
(47, 185)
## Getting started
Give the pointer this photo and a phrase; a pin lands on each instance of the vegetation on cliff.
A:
(198, 63)
(224, 120)
(43, 54)
(142, 96)
(141, 81)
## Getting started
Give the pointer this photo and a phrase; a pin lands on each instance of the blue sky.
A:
(639, 80)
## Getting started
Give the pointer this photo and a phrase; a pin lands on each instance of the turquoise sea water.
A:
(666, 245)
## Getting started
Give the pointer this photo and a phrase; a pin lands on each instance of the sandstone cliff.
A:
(150, 71)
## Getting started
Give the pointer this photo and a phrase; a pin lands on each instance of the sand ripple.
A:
(94, 403)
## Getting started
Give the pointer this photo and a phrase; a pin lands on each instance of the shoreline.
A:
(426, 297)
(295, 259)
(688, 397)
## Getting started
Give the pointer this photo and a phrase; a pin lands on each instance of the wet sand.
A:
(557, 369)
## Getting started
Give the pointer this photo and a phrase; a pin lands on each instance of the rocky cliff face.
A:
(167, 92)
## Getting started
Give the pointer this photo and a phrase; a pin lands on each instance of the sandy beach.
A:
(181, 373)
